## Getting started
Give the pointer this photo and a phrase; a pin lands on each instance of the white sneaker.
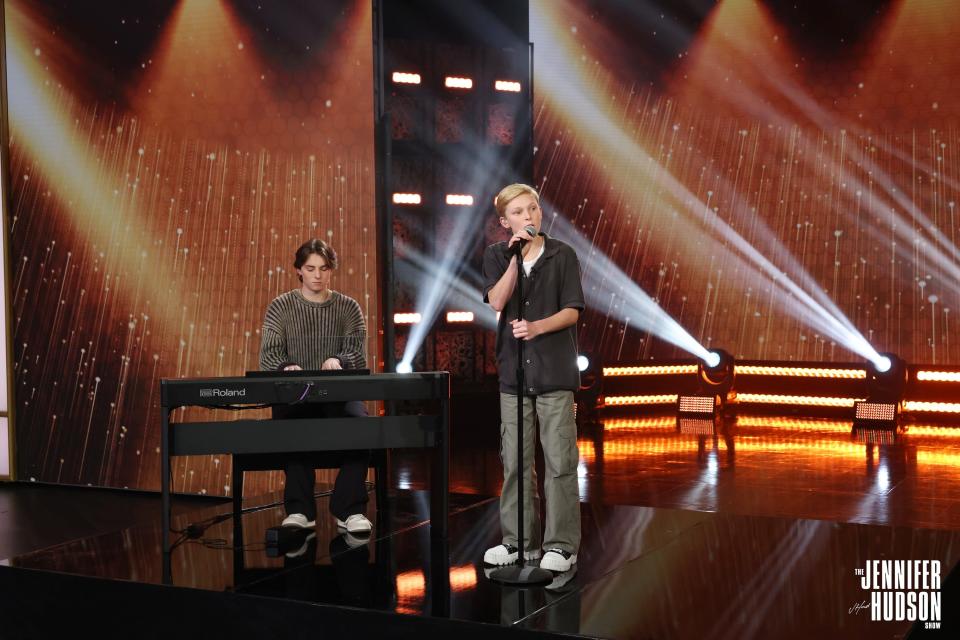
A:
(507, 554)
(297, 520)
(357, 523)
(558, 560)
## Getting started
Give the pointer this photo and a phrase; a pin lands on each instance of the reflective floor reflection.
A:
(753, 529)
(757, 465)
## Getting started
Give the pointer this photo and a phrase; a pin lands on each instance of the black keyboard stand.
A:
(266, 436)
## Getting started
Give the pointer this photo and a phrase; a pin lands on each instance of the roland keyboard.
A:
(293, 387)
(429, 429)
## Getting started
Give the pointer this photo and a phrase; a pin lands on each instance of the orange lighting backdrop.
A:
(167, 159)
(823, 134)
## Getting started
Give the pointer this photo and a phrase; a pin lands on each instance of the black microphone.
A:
(531, 230)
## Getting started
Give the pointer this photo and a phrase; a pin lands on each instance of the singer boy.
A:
(553, 300)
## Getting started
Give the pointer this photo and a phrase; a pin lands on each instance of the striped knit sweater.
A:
(297, 331)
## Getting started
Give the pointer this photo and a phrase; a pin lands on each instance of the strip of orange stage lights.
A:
(938, 376)
(806, 401)
(623, 401)
(743, 398)
(931, 407)
(651, 370)
(800, 372)
(748, 370)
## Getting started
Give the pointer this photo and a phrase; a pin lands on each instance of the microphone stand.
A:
(519, 575)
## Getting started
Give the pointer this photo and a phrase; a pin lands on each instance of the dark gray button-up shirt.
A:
(550, 360)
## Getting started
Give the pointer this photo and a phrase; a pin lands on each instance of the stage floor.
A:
(755, 532)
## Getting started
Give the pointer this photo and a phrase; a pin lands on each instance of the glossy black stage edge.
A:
(643, 572)
(39, 515)
(49, 603)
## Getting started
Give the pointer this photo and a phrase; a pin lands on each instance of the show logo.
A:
(901, 590)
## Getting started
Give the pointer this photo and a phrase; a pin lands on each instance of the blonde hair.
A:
(510, 192)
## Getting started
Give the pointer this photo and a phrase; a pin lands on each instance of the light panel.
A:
(455, 82)
(696, 404)
(405, 77)
(407, 318)
(507, 85)
(885, 411)
(407, 198)
(459, 316)
(459, 199)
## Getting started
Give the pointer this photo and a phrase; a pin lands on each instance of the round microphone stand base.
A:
(522, 576)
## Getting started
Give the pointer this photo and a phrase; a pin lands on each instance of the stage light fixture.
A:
(883, 364)
(459, 316)
(886, 382)
(715, 372)
(404, 367)
(455, 82)
(591, 383)
(507, 85)
(459, 199)
(406, 198)
(407, 318)
(404, 77)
